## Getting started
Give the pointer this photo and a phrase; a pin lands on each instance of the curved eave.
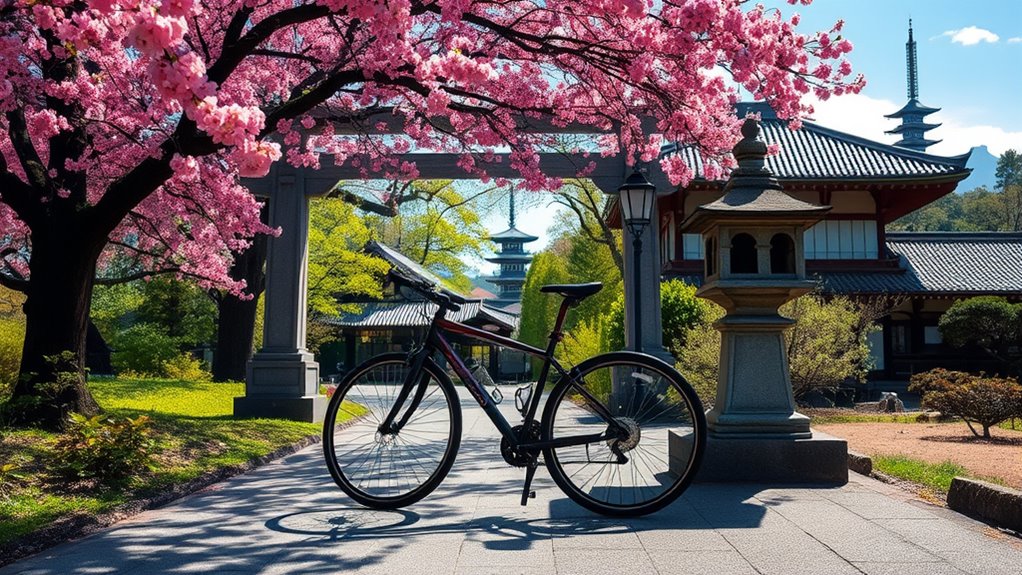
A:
(912, 126)
(513, 235)
(510, 259)
(913, 107)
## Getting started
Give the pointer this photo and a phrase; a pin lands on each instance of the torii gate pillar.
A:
(283, 377)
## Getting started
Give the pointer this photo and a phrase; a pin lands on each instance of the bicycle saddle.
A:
(573, 291)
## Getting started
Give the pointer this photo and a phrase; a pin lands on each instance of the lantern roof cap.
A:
(752, 191)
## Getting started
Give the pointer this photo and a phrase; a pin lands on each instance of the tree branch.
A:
(234, 52)
(25, 150)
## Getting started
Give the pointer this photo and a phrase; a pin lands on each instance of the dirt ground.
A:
(999, 457)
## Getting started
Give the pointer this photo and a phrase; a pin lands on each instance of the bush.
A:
(975, 398)
(824, 348)
(12, 337)
(185, 367)
(104, 448)
(143, 348)
(680, 312)
(699, 359)
(989, 322)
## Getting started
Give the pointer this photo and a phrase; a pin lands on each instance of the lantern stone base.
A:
(819, 459)
(284, 386)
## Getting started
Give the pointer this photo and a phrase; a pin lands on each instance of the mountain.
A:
(984, 166)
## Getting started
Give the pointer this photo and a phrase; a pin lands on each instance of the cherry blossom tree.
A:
(130, 123)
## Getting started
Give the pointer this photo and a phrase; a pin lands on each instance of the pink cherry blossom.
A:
(170, 104)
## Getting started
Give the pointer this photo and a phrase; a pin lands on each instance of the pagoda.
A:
(513, 261)
(913, 128)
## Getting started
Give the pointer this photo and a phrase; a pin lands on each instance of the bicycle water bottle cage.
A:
(522, 396)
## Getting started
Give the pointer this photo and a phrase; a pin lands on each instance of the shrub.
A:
(989, 322)
(699, 359)
(185, 367)
(143, 348)
(680, 312)
(824, 348)
(12, 337)
(975, 398)
(104, 448)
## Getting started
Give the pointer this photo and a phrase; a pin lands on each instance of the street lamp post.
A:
(636, 199)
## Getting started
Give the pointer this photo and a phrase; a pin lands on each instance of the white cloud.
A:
(864, 116)
(971, 35)
(1015, 40)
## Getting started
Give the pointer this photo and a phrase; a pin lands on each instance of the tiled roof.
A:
(406, 266)
(513, 234)
(951, 263)
(389, 314)
(959, 262)
(817, 153)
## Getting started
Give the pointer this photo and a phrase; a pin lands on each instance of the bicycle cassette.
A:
(515, 457)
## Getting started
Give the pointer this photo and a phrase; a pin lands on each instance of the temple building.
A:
(513, 261)
(916, 275)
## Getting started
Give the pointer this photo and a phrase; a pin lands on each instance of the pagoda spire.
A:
(911, 65)
(913, 127)
(511, 220)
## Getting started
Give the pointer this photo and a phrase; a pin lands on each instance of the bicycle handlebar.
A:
(428, 290)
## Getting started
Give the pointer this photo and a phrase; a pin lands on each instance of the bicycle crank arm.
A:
(527, 492)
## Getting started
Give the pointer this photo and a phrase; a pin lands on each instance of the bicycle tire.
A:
(373, 384)
(649, 477)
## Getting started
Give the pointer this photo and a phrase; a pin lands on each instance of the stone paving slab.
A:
(289, 517)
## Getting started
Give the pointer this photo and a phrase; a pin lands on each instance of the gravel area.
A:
(999, 457)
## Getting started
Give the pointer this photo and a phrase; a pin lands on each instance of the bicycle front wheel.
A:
(657, 438)
(388, 471)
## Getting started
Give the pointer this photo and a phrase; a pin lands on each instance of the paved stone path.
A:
(288, 517)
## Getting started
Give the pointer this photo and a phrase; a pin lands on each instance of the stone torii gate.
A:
(283, 376)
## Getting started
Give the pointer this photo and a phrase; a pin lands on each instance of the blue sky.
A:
(970, 66)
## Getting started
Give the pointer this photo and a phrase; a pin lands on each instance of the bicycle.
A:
(622, 433)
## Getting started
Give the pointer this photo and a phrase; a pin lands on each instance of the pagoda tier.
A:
(512, 259)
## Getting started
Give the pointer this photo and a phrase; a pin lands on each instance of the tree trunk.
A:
(52, 374)
(236, 321)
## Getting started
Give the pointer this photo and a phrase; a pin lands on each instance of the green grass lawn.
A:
(194, 431)
(935, 476)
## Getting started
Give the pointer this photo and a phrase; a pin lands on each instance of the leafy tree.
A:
(113, 306)
(989, 322)
(338, 266)
(539, 310)
(1009, 170)
(592, 261)
(183, 309)
(146, 115)
(12, 337)
(976, 399)
(680, 311)
(943, 215)
(584, 217)
(438, 231)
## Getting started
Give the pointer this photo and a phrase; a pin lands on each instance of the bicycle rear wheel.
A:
(388, 471)
(643, 469)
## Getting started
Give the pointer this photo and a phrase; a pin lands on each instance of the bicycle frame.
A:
(435, 341)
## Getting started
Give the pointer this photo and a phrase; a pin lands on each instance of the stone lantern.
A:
(754, 264)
